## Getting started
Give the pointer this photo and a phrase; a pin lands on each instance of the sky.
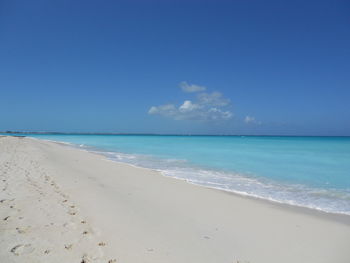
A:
(178, 67)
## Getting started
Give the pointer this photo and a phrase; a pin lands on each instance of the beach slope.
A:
(60, 204)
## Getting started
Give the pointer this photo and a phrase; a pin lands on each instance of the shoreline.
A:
(143, 216)
(341, 217)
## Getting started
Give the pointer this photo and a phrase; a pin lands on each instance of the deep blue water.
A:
(306, 171)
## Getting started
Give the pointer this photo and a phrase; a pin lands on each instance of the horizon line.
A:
(159, 134)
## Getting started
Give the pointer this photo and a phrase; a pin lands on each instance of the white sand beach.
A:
(61, 204)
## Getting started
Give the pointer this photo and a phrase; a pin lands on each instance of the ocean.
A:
(311, 172)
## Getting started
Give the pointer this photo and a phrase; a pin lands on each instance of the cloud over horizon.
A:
(191, 87)
(205, 106)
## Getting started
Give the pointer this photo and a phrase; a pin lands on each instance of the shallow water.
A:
(306, 171)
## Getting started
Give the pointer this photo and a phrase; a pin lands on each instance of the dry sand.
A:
(60, 204)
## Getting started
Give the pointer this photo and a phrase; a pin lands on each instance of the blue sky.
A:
(223, 67)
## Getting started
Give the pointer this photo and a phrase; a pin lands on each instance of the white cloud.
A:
(188, 106)
(206, 107)
(217, 113)
(191, 87)
(153, 110)
(250, 119)
(167, 110)
(215, 99)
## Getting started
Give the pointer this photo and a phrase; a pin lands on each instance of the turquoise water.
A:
(306, 171)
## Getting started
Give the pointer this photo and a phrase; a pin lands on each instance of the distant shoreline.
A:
(160, 134)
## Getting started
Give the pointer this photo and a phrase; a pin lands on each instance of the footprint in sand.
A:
(22, 230)
(85, 259)
(22, 249)
(68, 247)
